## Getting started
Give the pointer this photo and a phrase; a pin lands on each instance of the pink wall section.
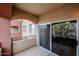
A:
(18, 24)
(5, 35)
(15, 35)
(15, 23)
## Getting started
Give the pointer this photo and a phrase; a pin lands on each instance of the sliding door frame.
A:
(50, 37)
(77, 38)
(77, 33)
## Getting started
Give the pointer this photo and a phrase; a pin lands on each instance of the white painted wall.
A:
(37, 33)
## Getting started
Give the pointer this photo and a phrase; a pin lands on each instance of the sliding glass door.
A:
(44, 36)
(60, 38)
(64, 38)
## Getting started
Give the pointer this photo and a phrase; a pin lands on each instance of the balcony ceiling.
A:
(37, 8)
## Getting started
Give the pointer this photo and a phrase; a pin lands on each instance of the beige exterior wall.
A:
(67, 12)
(18, 14)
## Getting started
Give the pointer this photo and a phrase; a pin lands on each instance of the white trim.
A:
(51, 38)
(65, 20)
(53, 54)
(44, 23)
(45, 49)
(77, 32)
(58, 21)
(49, 51)
(37, 33)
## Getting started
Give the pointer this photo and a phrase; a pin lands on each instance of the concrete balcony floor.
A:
(35, 51)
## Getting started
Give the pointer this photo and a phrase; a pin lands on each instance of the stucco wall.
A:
(19, 46)
(18, 14)
(64, 13)
(5, 10)
(5, 35)
(18, 25)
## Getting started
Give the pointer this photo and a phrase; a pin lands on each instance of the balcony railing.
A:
(23, 38)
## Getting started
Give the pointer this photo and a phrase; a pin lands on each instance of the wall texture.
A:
(5, 10)
(17, 24)
(66, 12)
(5, 35)
(19, 46)
(18, 14)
